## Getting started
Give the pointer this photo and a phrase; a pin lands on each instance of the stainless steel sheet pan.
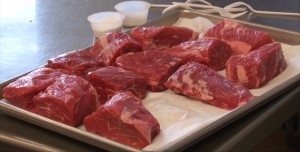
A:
(283, 36)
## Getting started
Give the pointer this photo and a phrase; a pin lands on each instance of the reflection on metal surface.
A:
(18, 29)
(24, 143)
(16, 8)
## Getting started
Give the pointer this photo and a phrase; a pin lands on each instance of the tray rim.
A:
(108, 144)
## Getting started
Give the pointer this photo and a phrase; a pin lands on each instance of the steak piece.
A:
(257, 67)
(111, 80)
(68, 100)
(20, 92)
(211, 52)
(125, 120)
(240, 38)
(155, 66)
(162, 37)
(200, 82)
(78, 62)
(113, 44)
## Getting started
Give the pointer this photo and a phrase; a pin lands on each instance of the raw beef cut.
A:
(79, 62)
(113, 44)
(162, 37)
(20, 92)
(240, 38)
(125, 120)
(211, 52)
(155, 66)
(111, 80)
(201, 82)
(68, 100)
(257, 67)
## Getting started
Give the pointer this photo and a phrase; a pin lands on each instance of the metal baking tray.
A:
(283, 36)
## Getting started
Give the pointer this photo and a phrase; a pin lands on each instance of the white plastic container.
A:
(135, 12)
(104, 22)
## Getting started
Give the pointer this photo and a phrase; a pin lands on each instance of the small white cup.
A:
(135, 12)
(104, 22)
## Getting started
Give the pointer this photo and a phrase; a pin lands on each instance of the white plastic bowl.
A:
(104, 22)
(135, 12)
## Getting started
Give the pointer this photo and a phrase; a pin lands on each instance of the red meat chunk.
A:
(113, 44)
(78, 62)
(240, 38)
(111, 80)
(201, 82)
(257, 67)
(211, 52)
(125, 120)
(155, 66)
(163, 37)
(20, 92)
(68, 100)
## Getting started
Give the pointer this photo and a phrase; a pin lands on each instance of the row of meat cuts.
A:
(103, 87)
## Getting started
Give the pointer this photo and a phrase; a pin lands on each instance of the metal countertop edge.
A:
(252, 128)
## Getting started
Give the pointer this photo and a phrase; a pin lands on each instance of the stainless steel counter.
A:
(33, 31)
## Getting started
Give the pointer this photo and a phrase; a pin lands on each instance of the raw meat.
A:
(20, 92)
(201, 82)
(211, 52)
(257, 67)
(113, 44)
(155, 66)
(163, 37)
(111, 80)
(240, 38)
(68, 100)
(125, 120)
(79, 62)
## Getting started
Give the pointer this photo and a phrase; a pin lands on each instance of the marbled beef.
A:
(113, 44)
(162, 37)
(111, 80)
(201, 82)
(78, 62)
(240, 38)
(68, 100)
(211, 52)
(257, 67)
(20, 92)
(125, 120)
(155, 66)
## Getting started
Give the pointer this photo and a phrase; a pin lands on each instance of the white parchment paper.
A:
(181, 116)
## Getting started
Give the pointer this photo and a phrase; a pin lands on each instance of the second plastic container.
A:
(135, 12)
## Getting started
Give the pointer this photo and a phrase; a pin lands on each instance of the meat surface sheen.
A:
(201, 82)
(124, 119)
(111, 80)
(113, 44)
(78, 62)
(68, 100)
(257, 67)
(240, 38)
(211, 52)
(20, 92)
(155, 66)
(162, 37)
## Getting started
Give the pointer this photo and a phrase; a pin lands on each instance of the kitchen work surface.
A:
(42, 45)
